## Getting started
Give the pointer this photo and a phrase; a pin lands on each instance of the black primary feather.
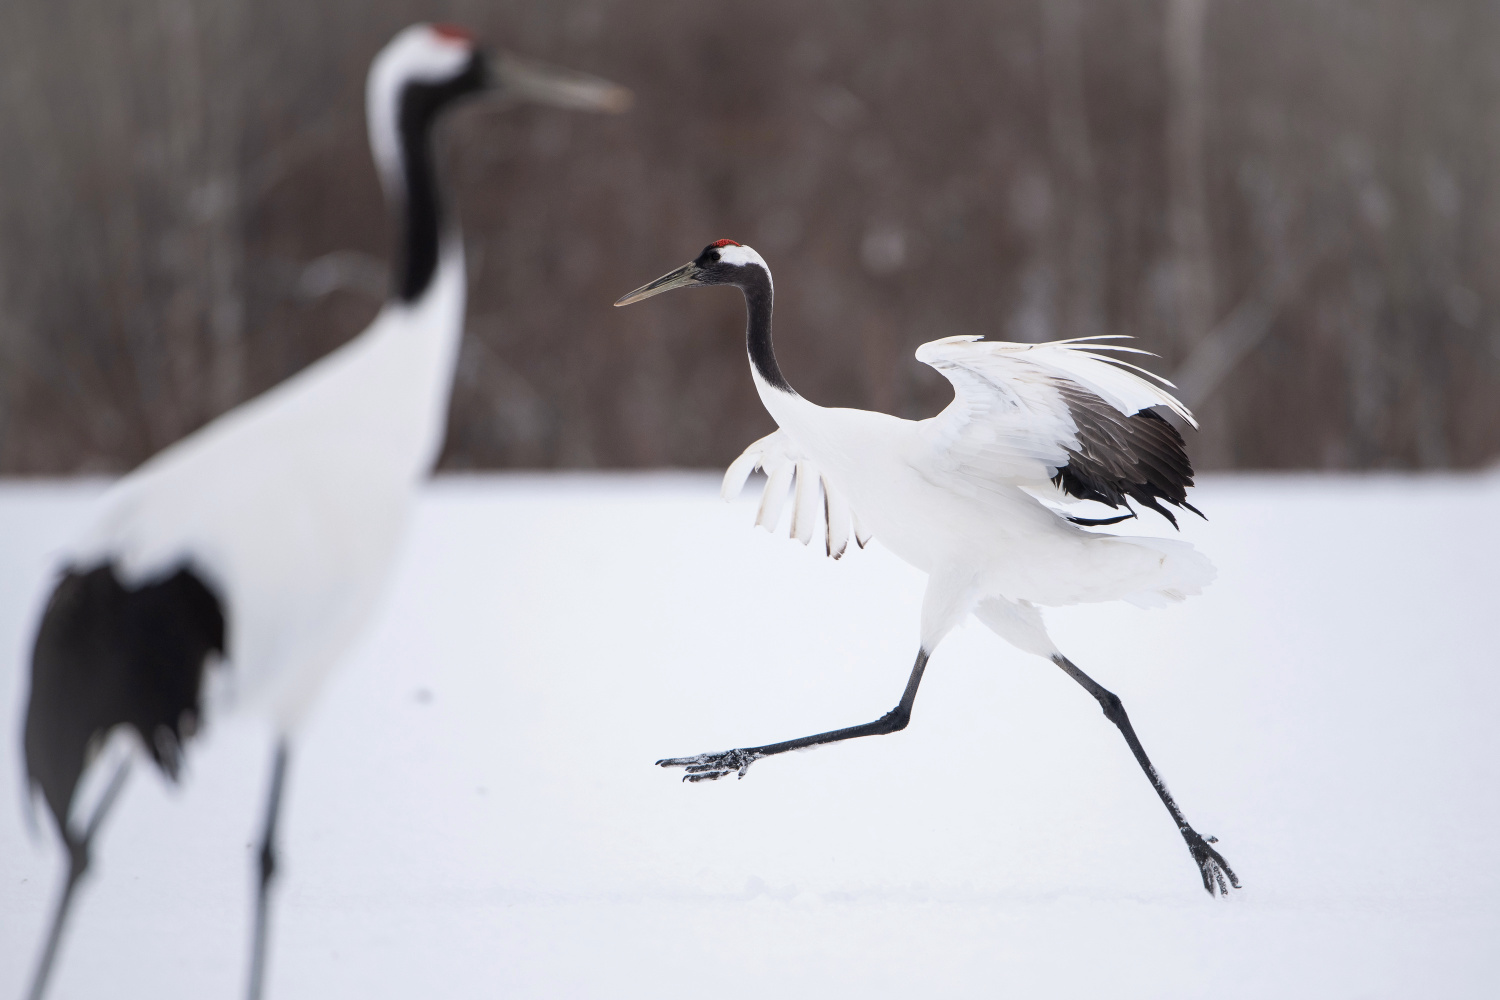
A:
(106, 655)
(1094, 522)
(1140, 457)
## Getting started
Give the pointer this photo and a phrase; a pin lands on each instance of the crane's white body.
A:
(961, 497)
(957, 495)
(292, 505)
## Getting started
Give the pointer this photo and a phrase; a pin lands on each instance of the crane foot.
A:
(1217, 875)
(713, 766)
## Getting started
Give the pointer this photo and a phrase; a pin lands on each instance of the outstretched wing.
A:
(789, 471)
(1024, 414)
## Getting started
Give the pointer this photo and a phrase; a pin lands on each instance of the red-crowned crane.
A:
(959, 496)
(256, 548)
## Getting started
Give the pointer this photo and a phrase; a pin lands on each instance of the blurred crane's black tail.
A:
(110, 656)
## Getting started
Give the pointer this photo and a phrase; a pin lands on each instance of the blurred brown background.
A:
(1296, 203)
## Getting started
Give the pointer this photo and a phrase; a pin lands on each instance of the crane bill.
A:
(836, 517)
(805, 504)
(738, 473)
(529, 80)
(684, 276)
(778, 481)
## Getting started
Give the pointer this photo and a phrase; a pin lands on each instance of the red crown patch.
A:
(452, 33)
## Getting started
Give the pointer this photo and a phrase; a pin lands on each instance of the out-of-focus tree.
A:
(1294, 202)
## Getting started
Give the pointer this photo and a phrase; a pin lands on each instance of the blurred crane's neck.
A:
(424, 223)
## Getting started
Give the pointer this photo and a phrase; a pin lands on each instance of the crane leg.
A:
(78, 864)
(267, 873)
(1211, 865)
(712, 766)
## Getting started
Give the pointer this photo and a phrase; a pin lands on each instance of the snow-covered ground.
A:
(473, 810)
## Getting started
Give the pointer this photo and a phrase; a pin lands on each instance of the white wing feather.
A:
(1009, 421)
(1117, 382)
(1009, 425)
(787, 470)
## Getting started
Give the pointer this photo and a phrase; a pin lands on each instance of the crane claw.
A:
(713, 766)
(1217, 875)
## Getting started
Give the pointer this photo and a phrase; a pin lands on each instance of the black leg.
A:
(78, 863)
(1211, 865)
(267, 872)
(711, 766)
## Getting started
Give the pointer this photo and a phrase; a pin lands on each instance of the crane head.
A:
(427, 68)
(722, 262)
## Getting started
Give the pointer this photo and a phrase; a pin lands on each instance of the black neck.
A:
(422, 220)
(424, 223)
(758, 304)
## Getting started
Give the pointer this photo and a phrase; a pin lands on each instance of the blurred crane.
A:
(245, 558)
(961, 497)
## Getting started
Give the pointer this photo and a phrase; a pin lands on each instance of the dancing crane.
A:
(961, 496)
(246, 557)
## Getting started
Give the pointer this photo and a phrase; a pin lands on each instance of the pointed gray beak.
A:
(525, 80)
(684, 276)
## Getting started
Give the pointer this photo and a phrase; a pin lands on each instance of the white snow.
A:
(473, 809)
